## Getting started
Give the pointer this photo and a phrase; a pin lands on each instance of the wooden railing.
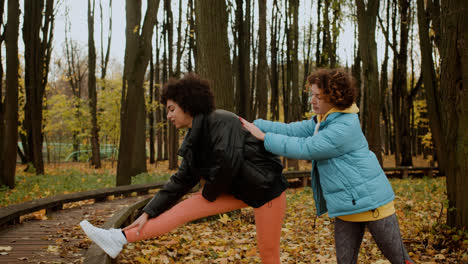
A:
(11, 214)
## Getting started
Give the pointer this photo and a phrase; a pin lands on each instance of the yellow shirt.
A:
(372, 215)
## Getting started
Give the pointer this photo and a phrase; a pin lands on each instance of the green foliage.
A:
(109, 99)
(62, 120)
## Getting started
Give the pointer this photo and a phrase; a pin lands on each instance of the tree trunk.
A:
(243, 99)
(431, 88)
(262, 70)
(274, 74)
(454, 102)
(213, 60)
(318, 40)
(159, 116)
(294, 69)
(151, 110)
(384, 85)
(75, 75)
(367, 15)
(2, 103)
(402, 95)
(172, 138)
(92, 94)
(132, 154)
(326, 41)
(335, 32)
(37, 57)
(10, 136)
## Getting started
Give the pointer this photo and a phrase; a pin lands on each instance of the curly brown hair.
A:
(337, 85)
(192, 93)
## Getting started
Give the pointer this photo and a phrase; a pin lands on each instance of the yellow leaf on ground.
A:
(251, 252)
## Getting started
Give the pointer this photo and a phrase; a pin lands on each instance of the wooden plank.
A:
(32, 239)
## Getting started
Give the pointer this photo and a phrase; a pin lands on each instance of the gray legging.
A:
(386, 233)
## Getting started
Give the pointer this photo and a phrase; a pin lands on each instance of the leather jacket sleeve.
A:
(227, 143)
(178, 185)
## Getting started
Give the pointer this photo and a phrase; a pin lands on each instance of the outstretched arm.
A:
(254, 130)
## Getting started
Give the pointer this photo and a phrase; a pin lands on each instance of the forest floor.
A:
(421, 205)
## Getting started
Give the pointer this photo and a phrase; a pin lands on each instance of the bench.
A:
(405, 170)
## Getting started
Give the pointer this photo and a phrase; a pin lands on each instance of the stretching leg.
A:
(268, 222)
(348, 238)
(194, 207)
(386, 234)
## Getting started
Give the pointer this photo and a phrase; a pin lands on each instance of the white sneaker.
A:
(111, 241)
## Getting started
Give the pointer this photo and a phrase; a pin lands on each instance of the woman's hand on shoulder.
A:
(255, 131)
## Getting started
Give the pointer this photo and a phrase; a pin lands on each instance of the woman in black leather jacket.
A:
(236, 170)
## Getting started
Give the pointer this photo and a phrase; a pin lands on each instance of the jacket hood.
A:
(353, 109)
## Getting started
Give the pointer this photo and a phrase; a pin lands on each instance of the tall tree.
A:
(335, 32)
(454, 99)
(105, 55)
(430, 80)
(10, 107)
(326, 39)
(3, 177)
(75, 74)
(173, 138)
(294, 63)
(243, 89)
(400, 94)
(92, 94)
(318, 53)
(367, 17)
(132, 154)
(307, 51)
(213, 60)
(262, 68)
(274, 69)
(384, 80)
(37, 36)
(151, 111)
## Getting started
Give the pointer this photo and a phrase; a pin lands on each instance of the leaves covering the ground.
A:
(230, 238)
(421, 208)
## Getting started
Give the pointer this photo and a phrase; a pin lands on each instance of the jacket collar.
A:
(334, 112)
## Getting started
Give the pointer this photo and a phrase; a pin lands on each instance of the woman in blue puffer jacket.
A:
(347, 179)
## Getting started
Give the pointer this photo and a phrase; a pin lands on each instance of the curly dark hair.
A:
(337, 85)
(192, 93)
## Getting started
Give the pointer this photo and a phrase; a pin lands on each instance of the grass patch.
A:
(30, 187)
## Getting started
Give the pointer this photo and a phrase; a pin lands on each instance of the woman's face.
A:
(177, 116)
(319, 104)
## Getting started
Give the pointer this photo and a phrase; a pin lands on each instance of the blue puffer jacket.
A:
(346, 176)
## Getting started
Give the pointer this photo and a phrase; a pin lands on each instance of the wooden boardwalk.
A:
(57, 239)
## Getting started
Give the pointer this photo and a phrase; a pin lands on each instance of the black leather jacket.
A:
(218, 149)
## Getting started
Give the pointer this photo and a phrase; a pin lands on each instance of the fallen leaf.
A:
(52, 248)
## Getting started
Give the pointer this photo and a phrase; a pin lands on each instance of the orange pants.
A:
(268, 221)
